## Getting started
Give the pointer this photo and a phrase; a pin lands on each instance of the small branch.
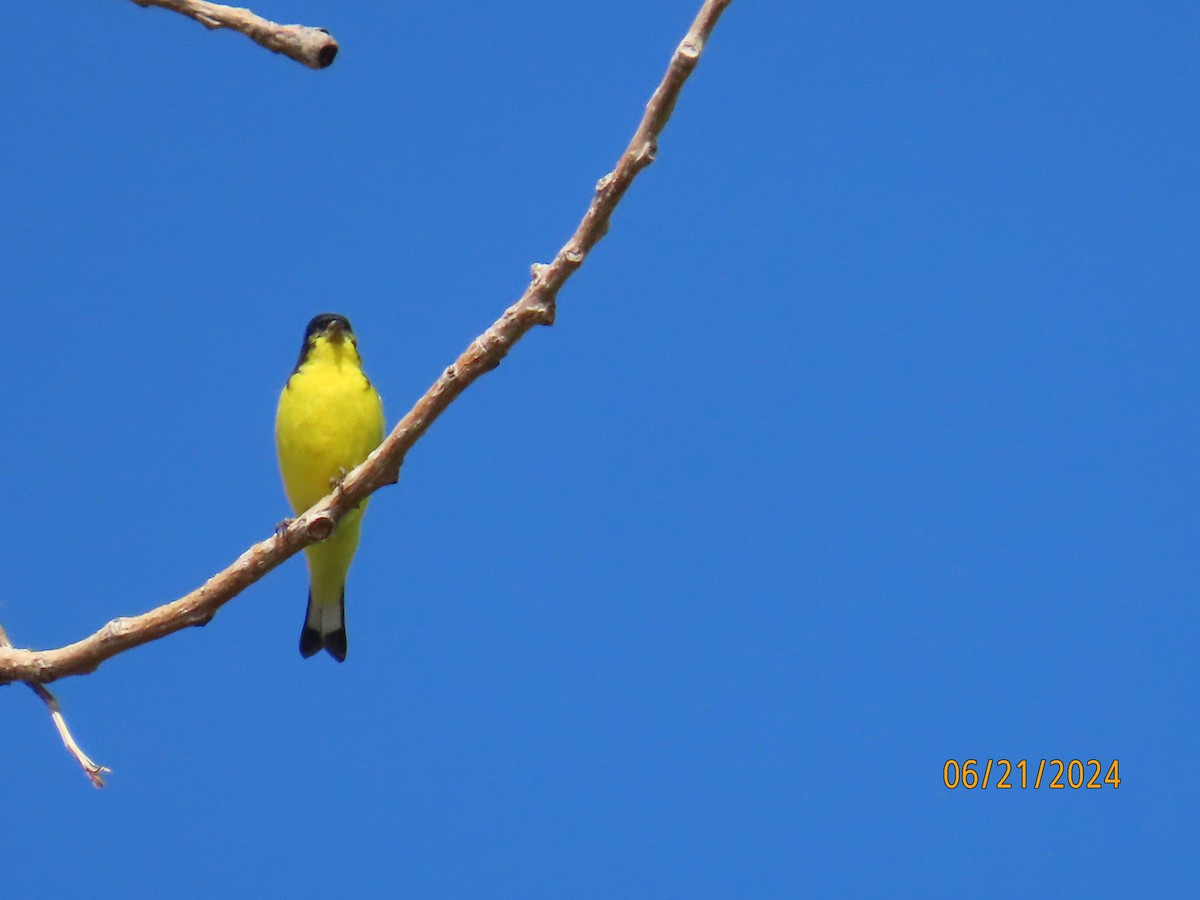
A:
(94, 772)
(315, 47)
(382, 467)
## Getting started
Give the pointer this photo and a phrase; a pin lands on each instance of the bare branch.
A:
(94, 772)
(315, 47)
(382, 467)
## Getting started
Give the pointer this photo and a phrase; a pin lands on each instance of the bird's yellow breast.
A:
(329, 419)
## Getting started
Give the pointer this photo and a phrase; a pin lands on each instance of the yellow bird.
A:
(329, 419)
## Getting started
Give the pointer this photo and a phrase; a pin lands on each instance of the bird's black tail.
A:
(324, 627)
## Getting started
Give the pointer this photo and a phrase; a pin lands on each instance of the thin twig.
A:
(315, 47)
(382, 467)
(94, 772)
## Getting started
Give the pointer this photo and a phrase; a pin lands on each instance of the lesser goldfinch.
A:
(330, 418)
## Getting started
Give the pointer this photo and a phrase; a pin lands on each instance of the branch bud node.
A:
(114, 629)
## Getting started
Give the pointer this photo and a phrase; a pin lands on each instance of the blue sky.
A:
(865, 440)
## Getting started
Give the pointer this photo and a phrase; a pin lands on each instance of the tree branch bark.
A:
(315, 47)
(382, 467)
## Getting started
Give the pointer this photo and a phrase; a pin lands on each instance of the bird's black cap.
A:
(323, 321)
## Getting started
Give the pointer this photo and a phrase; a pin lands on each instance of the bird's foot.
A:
(282, 525)
(335, 483)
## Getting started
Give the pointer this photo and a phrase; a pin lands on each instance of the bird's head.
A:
(328, 333)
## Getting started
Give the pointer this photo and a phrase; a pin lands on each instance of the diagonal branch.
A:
(382, 467)
(315, 47)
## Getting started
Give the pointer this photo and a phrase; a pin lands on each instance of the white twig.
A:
(93, 771)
